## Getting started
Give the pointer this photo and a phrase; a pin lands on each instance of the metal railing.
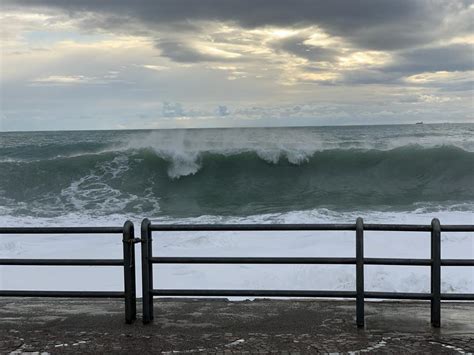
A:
(360, 294)
(127, 262)
(148, 260)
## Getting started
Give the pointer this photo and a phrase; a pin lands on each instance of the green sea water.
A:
(237, 172)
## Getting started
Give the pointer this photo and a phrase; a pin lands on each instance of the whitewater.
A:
(385, 174)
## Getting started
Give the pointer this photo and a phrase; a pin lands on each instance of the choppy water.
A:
(237, 172)
(400, 174)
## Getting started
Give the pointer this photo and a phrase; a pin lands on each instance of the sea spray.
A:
(385, 174)
(239, 182)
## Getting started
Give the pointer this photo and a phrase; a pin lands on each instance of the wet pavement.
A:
(187, 326)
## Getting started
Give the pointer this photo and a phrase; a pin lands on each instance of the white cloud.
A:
(439, 77)
(154, 67)
(64, 80)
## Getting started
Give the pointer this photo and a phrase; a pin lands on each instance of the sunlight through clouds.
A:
(205, 57)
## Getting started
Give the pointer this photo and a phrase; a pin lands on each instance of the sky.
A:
(120, 64)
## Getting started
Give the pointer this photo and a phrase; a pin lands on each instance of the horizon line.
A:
(238, 127)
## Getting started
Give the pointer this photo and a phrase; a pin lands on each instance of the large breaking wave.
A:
(284, 175)
(181, 182)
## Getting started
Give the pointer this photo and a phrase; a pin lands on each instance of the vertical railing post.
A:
(146, 287)
(129, 272)
(360, 272)
(435, 273)
(133, 272)
(150, 271)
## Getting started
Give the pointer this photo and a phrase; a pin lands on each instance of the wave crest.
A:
(141, 180)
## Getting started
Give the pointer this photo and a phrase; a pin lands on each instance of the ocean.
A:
(392, 174)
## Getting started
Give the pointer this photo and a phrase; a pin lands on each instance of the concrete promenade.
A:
(185, 326)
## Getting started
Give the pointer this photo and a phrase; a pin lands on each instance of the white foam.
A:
(377, 244)
(184, 148)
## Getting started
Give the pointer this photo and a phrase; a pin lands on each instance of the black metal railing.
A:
(127, 262)
(148, 260)
(360, 294)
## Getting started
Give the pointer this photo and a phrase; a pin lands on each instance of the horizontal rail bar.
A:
(458, 296)
(249, 260)
(63, 262)
(236, 227)
(400, 262)
(253, 293)
(251, 227)
(416, 228)
(79, 294)
(398, 295)
(457, 262)
(397, 227)
(309, 293)
(457, 228)
(60, 230)
(305, 260)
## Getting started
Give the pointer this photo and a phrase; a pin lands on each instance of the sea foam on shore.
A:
(311, 244)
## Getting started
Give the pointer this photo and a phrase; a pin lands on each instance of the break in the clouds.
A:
(174, 63)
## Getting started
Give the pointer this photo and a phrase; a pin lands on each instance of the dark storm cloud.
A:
(410, 30)
(375, 24)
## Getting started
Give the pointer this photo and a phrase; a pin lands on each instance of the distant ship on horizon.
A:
(421, 122)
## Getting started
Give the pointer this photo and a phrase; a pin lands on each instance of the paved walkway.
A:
(222, 327)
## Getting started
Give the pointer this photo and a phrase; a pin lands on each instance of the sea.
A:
(384, 174)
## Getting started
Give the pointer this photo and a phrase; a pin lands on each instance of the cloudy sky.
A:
(97, 64)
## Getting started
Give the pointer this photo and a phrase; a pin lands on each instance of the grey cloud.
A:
(409, 29)
(172, 110)
(222, 110)
(181, 52)
(455, 57)
(384, 25)
(455, 86)
(370, 76)
(392, 37)
(295, 45)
